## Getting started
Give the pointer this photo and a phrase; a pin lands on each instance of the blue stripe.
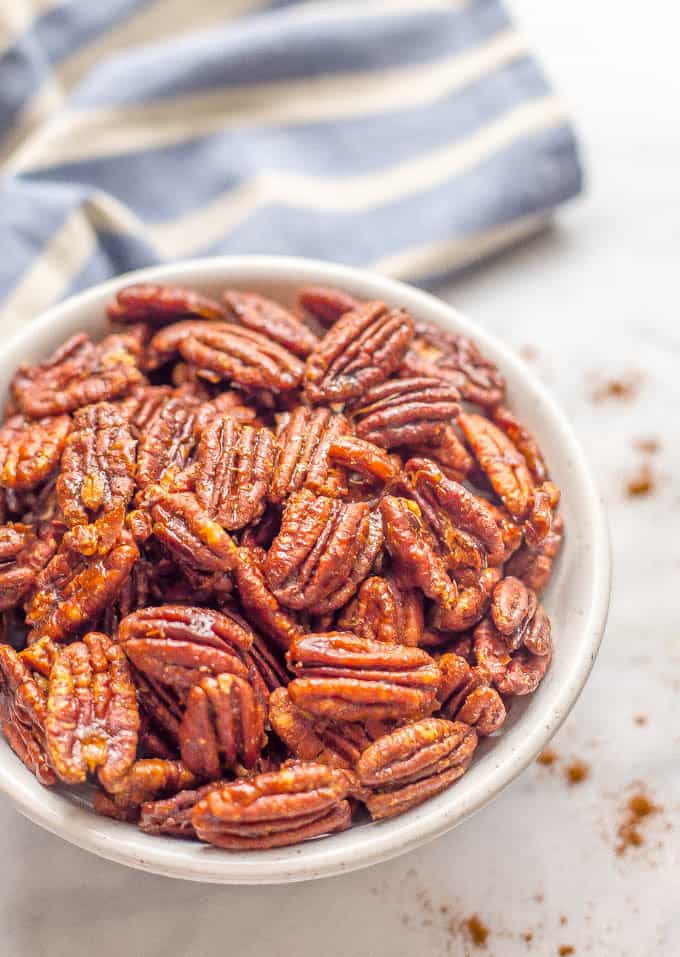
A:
(154, 183)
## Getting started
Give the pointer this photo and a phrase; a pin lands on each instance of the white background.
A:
(597, 296)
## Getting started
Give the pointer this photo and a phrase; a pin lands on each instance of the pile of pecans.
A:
(262, 567)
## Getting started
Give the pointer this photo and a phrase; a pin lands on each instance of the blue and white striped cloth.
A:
(411, 136)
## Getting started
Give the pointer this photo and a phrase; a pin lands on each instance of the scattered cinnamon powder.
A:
(547, 758)
(577, 772)
(477, 930)
(649, 446)
(565, 950)
(563, 920)
(639, 808)
(527, 937)
(642, 483)
(640, 719)
(626, 388)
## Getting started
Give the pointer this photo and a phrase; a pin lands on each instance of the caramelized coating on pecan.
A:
(520, 617)
(534, 565)
(23, 711)
(347, 678)
(23, 555)
(323, 551)
(142, 404)
(384, 610)
(448, 451)
(512, 673)
(524, 442)
(260, 605)
(405, 411)
(30, 451)
(362, 349)
(326, 303)
(273, 320)
(411, 764)
(147, 302)
(172, 815)
(187, 531)
(503, 464)
(234, 466)
(542, 515)
(92, 715)
(358, 455)
(167, 440)
(275, 809)
(147, 780)
(474, 596)
(304, 439)
(466, 695)
(231, 403)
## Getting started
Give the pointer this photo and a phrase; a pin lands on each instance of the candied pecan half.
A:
(465, 695)
(324, 549)
(142, 404)
(147, 780)
(96, 481)
(223, 725)
(304, 438)
(187, 531)
(23, 709)
(520, 617)
(229, 403)
(343, 677)
(149, 302)
(383, 610)
(177, 645)
(474, 596)
(413, 550)
(501, 462)
(542, 515)
(92, 715)
(516, 673)
(448, 451)
(260, 605)
(30, 451)
(272, 319)
(172, 815)
(358, 455)
(326, 303)
(267, 672)
(362, 349)
(78, 373)
(22, 556)
(534, 565)
(72, 590)
(167, 441)
(275, 809)
(40, 656)
(463, 523)
(160, 711)
(511, 531)
(405, 411)
(413, 763)
(455, 358)
(233, 469)
(524, 442)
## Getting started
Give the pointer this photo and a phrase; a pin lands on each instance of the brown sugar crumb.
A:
(642, 483)
(539, 898)
(547, 758)
(648, 446)
(527, 937)
(638, 808)
(477, 930)
(565, 950)
(625, 388)
(640, 719)
(577, 772)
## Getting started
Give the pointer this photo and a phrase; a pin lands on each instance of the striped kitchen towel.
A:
(410, 136)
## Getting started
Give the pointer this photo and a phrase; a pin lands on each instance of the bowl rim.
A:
(361, 846)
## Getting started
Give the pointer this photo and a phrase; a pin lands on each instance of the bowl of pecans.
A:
(300, 569)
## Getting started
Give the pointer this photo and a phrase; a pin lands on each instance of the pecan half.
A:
(167, 441)
(326, 303)
(524, 442)
(474, 596)
(323, 551)
(362, 349)
(275, 809)
(304, 438)
(535, 565)
(148, 302)
(542, 514)
(92, 716)
(383, 610)
(147, 780)
(23, 710)
(413, 763)
(465, 695)
(30, 451)
(78, 373)
(231, 403)
(405, 411)
(223, 725)
(172, 815)
(142, 404)
(520, 617)
(273, 320)
(187, 531)
(448, 451)
(358, 455)
(501, 462)
(260, 605)
(233, 466)
(512, 673)
(346, 678)
(23, 555)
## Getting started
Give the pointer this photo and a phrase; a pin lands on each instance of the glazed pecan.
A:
(542, 514)
(358, 455)
(323, 551)
(160, 712)
(520, 617)
(142, 404)
(92, 716)
(229, 403)
(22, 556)
(30, 451)
(78, 373)
(448, 451)
(260, 605)
(187, 531)
(462, 522)
(534, 565)
(414, 552)
(465, 695)
(23, 710)
(516, 673)
(405, 411)
(474, 596)
(233, 466)
(326, 303)
(524, 442)
(177, 645)
(172, 815)
(273, 320)
(40, 656)
(362, 349)
(304, 438)
(343, 677)
(147, 780)
(148, 302)
(511, 531)
(167, 441)
(223, 725)
(266, 671)
(275, 809)
(384, 610)
(501, 462)
(455, 358)
(72, 590)
(97, 477)
(413, 763)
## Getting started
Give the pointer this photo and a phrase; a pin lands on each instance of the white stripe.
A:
(437, 258)
(17, 16)
(108, 132)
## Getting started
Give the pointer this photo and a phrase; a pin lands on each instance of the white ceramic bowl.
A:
(577, 601)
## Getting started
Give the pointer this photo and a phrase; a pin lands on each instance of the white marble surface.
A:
(597, 296)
